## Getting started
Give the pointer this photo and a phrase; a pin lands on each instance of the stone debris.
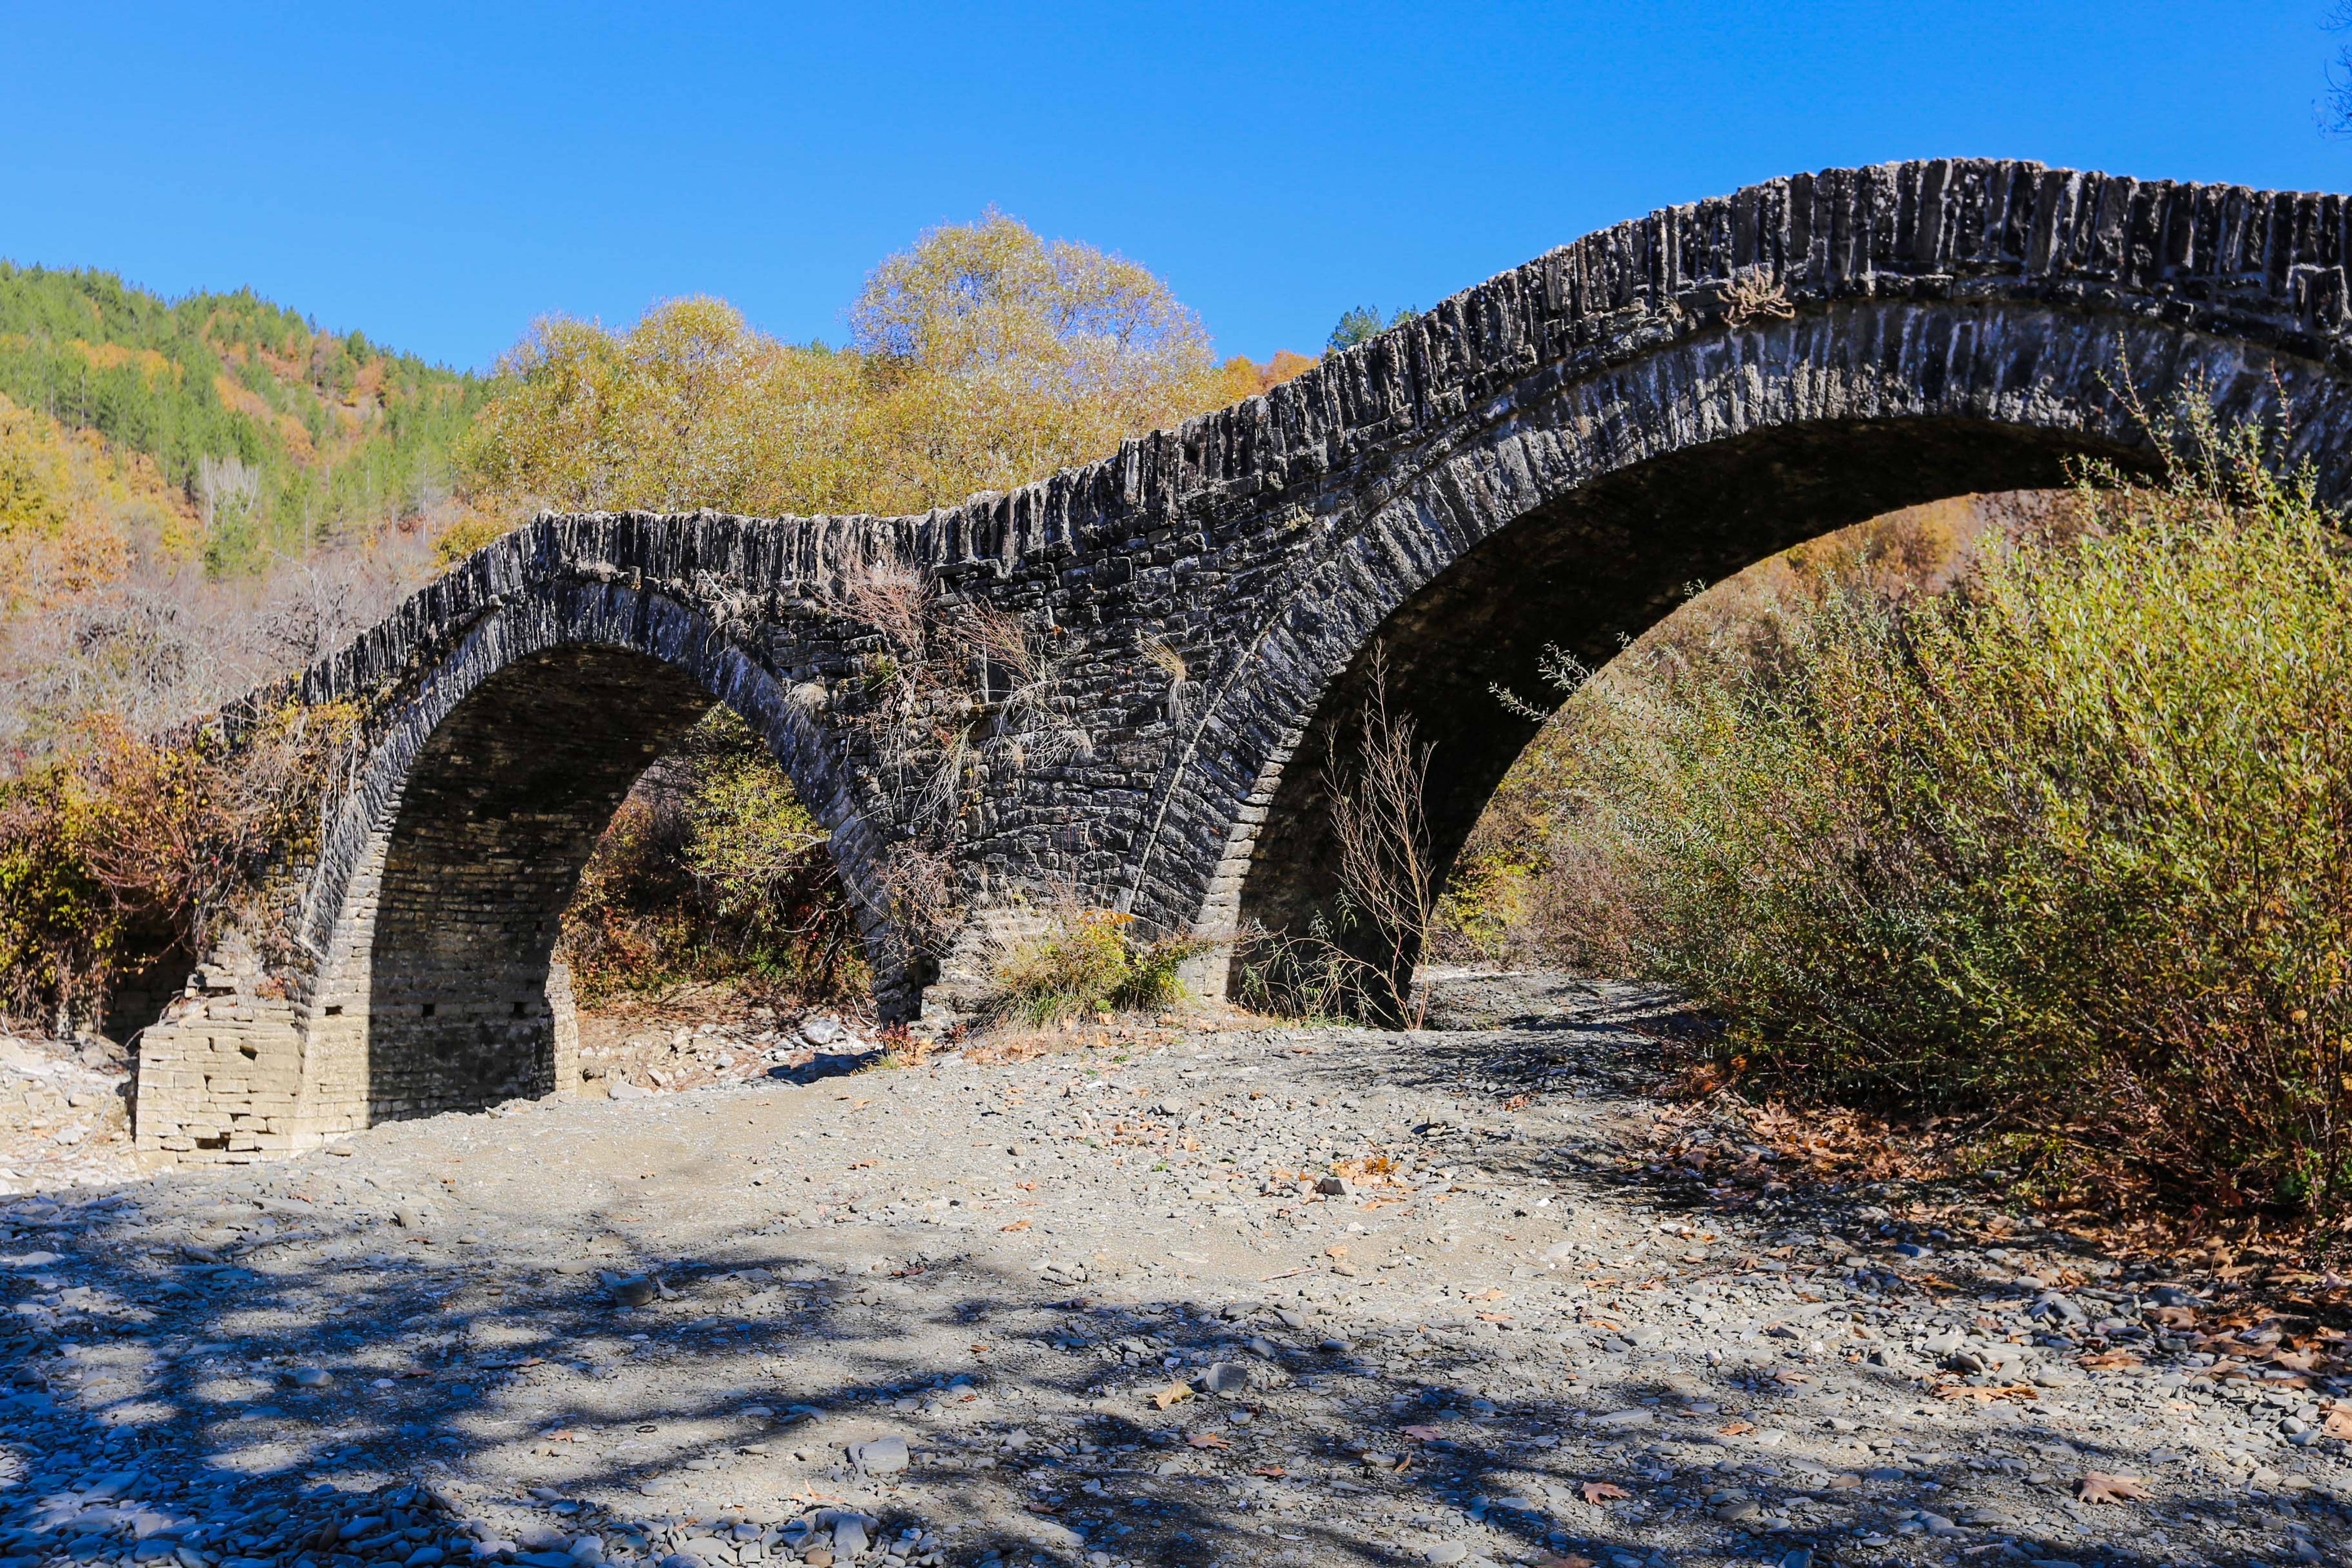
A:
(65, 1117)
(627, 1058)
(832, 1320)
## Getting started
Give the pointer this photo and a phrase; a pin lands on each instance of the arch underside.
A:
(1596, 511)
(443, 886)
(1583, 573)
(496, 824)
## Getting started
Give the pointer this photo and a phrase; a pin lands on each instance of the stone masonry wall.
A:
(1546, 456)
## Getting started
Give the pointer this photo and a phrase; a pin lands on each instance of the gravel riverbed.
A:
(1187, 1296)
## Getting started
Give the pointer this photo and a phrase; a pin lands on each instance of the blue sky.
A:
(437, 175)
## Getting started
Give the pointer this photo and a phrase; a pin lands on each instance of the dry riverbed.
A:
(1269, 1295)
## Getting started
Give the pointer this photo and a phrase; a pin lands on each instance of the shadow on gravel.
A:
(337, 1412)
(825, 1065)
(186, 1389)
(254, 1409)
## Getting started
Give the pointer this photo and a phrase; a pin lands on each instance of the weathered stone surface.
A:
(1548, 457)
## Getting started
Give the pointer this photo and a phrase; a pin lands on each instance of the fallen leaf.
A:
(1277, 1471)
(1425, 1434)
(1487, 1295)
(1735, 1428)
(1494, 1317)
(1016, 1225)
(2096, 1486)
(1598, 1492)
(2299, 1360)
(1173, 1394)
(1207, 1440)
(1571, 1561)
(2110, 1358)
(2339, 1423)
(2016, 1390)
(1335, 1252)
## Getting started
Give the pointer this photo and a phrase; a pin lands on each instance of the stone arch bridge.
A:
(1546, 458)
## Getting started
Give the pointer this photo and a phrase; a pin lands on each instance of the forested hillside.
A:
(276, 437)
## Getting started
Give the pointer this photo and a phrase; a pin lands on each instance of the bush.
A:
(1485, 913)
(58, 929)
(1087, 962)
(2072, 842)
(119, 849)
(713, 872)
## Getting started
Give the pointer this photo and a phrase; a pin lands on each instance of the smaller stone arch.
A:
(431, 918)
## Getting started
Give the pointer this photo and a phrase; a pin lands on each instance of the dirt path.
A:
(1082, 1308)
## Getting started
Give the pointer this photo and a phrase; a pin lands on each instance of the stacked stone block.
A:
(220, 1075)
(1546, 458)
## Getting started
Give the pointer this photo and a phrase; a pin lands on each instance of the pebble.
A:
(1225, 1377)
(796, 1253)
(885, 1456)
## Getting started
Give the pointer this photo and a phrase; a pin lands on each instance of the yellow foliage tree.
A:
(68, 503)
(691, 407)
(995, 357)
(1242, 376)
(981, 358)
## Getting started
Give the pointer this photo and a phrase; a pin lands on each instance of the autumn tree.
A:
(981, 358)
(691, 407)
(997, 356)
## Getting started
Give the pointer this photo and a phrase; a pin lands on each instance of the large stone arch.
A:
(1587, 511)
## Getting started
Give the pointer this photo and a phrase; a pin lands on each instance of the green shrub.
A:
(2073, 842)
(1483, 915)
(1087, 962)
(713, 872)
